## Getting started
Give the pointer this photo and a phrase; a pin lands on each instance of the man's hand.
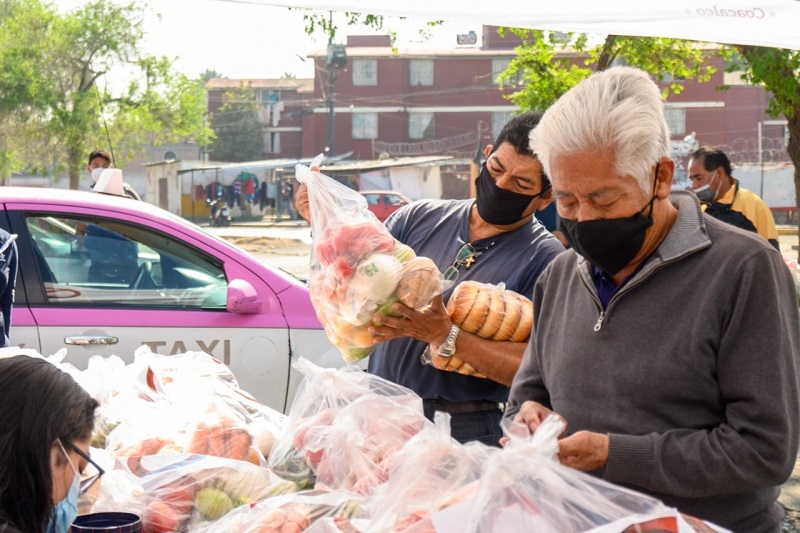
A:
(430, 324)
(301, 202)
(584, 451)
(532, 414)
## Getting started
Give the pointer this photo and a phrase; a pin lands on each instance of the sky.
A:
(242, 40)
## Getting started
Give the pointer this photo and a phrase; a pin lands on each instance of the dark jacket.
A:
(8, 279)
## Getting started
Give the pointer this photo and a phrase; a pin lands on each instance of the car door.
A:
(103, 283)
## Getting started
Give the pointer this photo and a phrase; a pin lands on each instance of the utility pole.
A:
(336, 62)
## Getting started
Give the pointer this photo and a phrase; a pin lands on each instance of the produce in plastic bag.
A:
(333, 435)
(184, 492)
(525, 488)
(432, 472)
(195, 424)
(198, 373)
(354, 451)
(357, 268)
(291, 513)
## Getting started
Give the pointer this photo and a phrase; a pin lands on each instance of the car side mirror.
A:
(242, 298)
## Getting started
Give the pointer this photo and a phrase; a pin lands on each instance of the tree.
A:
(237, 126)
(58, 108)
(209, 74)
(779, 71)
(548, 64)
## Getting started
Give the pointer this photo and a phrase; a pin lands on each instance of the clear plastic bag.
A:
(489, 311)
(185, 492)
(432, 472)
(291, 513)
(357, 268)
(524, 488)
(334, 439)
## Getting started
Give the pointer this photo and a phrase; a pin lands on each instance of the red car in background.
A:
(384, 203)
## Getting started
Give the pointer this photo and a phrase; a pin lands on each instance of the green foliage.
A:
(548, 63)
(778, 69)
(209, 74)
(237, 127)
(323, 22)
(52, 66)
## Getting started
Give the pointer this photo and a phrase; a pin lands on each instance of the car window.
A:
(373, 199)
(393, 199)
(112, 263)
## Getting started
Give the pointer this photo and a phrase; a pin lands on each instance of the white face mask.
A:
(96, 173)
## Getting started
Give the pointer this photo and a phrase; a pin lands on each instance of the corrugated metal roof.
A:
(300, 84)
(376, 164)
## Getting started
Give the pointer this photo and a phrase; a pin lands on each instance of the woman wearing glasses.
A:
(46, 422)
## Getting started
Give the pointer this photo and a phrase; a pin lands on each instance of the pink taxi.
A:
(101, 274)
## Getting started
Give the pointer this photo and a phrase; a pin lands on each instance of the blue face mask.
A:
(65, 513)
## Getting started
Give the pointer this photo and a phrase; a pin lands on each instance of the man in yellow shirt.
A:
(722, 198)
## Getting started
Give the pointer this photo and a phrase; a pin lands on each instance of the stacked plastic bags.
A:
(355, 455)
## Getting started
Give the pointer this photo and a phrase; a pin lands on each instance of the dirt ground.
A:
(291, 255)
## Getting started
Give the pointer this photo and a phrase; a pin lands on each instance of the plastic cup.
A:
(107, 523)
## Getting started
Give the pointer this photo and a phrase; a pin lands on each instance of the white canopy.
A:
(774, 23)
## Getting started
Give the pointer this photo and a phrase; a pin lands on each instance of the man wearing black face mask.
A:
(497, 239)
(667, 340)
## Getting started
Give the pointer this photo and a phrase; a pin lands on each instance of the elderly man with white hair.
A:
(667, 340)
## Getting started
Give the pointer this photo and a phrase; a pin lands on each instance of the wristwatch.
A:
(448, 347)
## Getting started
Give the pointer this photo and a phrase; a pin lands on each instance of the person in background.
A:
(667, 340)
(9, 261)
(46, 422)
(710, 171)
(493, 238)
(100, 160)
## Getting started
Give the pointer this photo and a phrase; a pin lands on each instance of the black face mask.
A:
(610, 244)
(498, 206)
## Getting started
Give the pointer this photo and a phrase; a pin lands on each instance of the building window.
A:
(365, 125)
(498, 67)
(676, 120)
(499, 119)
(420, 126)
(365, 72)
(272, 142)
(420, 72)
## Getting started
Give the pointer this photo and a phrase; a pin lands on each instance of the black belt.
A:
(459, 408)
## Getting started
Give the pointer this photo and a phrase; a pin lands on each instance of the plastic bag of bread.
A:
(491, 311)
(488, 311)
(358, 269)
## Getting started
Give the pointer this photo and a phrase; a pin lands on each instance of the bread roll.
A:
(476, 317)
(525, 323)
(419, 283)
(461, 301)
(509, 325)
(497, 311)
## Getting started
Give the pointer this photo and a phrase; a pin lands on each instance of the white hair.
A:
(620, 110)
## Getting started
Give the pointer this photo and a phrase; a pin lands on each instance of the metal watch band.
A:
(448, 348)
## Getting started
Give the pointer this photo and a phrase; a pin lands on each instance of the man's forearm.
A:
(497, 360)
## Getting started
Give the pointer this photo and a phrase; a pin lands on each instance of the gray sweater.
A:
(692, 372)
